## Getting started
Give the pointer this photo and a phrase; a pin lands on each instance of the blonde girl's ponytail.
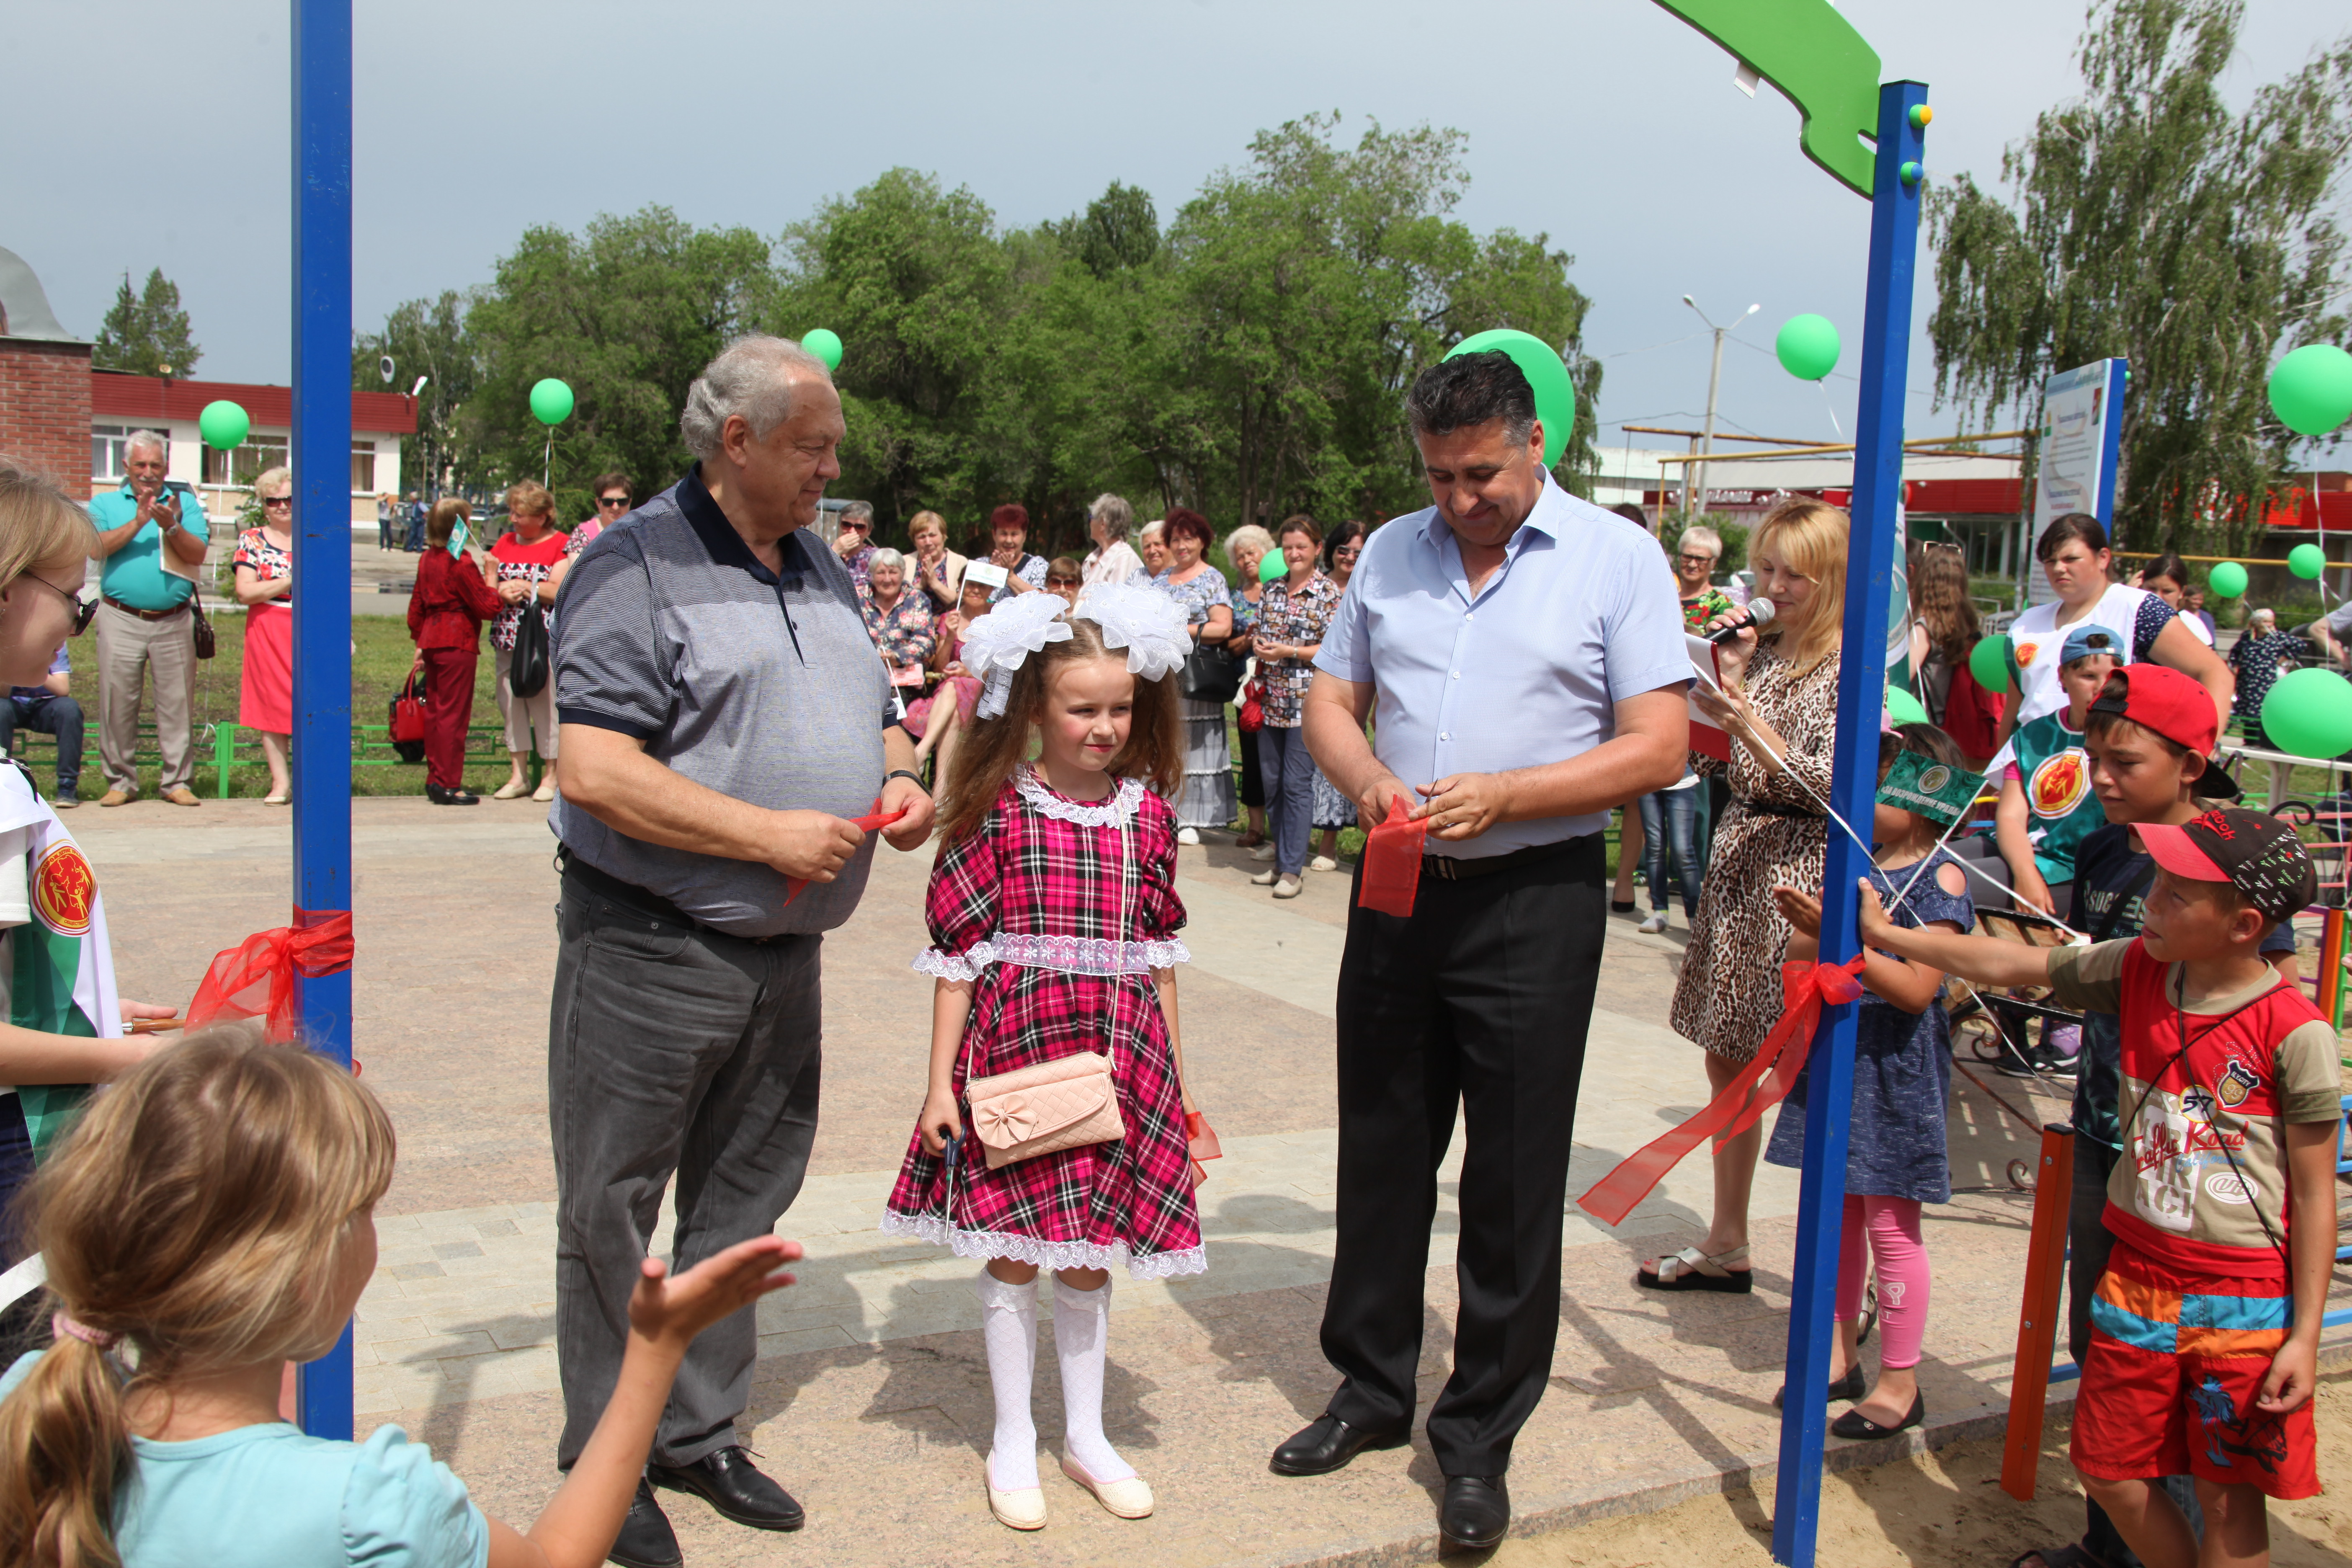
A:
(67, 1448)
(199, 1216)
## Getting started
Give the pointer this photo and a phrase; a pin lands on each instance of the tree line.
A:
(1246, 358)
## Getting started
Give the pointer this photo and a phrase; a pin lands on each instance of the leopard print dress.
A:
(1728, 994)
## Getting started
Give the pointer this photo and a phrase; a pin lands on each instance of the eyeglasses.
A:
(860, 527)
(1345, 555)
(1697, 560)
(273, 502)
(621, 501)
(1061, 582)
(83, 613)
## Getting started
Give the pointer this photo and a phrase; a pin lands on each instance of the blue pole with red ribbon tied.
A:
(322, 568)
(1896, 187)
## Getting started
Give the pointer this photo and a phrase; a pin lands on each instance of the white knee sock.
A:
(1081, 1338)
(1008, 1328)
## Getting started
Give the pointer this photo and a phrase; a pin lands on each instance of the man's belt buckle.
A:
(1443, 867)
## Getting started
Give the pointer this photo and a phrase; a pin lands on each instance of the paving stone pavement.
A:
(870, 1364)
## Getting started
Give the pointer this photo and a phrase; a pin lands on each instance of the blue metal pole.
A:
(322, 560)
(1861, 680)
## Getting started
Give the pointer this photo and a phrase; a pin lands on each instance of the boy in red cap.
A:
(2205, 1327)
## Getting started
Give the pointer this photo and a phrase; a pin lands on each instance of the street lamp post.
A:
(1714, 385)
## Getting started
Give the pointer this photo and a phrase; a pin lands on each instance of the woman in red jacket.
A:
(446, 612)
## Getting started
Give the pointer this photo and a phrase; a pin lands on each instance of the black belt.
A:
(1758, 808)
(1446, 869)
(636, 900)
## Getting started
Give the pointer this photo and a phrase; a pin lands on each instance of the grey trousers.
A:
(127, 647)
(671, 1051)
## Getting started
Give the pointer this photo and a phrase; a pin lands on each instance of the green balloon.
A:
(1271, 565)
(224, 425)
(2228, 580)
(825, 345)
(2310, 390)
(1989, 662)
(2306, 561)
(2308, 714)
(1808, 346)
(1540, 363)
(551, 402)
(1902, 708)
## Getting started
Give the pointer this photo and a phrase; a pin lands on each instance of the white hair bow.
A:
(996, 643)
(1146, 622)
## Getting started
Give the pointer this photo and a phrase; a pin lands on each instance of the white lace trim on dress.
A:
(1069, 954)
(1115, 812)
(1045, 1253)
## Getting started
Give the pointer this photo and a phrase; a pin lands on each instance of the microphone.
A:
(1757, 614)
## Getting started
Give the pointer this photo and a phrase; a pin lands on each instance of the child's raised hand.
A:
(941, 1120)
(675, 1310)
(1800, 910)
(1873, 921)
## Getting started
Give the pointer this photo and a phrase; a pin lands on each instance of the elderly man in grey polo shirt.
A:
(724, 724)
(1525, 652)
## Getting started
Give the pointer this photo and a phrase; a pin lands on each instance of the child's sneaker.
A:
(1656, 925)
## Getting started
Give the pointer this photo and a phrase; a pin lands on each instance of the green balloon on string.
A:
(1271, 565)
(2306, 561)
(1902, 708)
(1808, 346)
(825, 345)
(2308, 714)
(224, 425)
(2227, 580)
(551, 402)
(1989, 662)
(1540, 363)
(2310, 390)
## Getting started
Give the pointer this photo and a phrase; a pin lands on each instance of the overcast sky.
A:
(151, 135)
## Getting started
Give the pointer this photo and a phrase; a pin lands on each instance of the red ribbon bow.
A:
(1392, 852)
(873, 822)
(1805, 989)
(256, 977)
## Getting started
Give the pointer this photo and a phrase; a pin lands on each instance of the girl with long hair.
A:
(208, 1220)
(1053, 915)
(1945, 628)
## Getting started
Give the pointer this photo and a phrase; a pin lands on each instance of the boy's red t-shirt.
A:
(2204, 1160)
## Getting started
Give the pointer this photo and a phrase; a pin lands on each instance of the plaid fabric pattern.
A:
(1292, 620)
(1031, 872)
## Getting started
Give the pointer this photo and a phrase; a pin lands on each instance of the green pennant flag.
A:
(1936, 791)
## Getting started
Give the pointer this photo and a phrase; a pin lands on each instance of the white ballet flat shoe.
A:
(1129, 1498)
(1023, 1508)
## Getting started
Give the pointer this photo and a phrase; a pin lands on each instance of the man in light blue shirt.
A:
(1521, 653)
(151, 542)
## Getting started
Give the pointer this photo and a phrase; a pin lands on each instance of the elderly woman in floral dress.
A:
(1206, 799)
(898, 618)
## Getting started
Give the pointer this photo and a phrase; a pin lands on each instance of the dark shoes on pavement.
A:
(1327, 1445)
(1476, 1511)
(441, 794)
(1857, 1426)
(725, 1479)
(646, 1540)
(1848, 1388)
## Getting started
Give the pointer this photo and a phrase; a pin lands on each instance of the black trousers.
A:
(1479, 1000)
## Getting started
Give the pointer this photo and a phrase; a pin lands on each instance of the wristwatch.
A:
(906, 774)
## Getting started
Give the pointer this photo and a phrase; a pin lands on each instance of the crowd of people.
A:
(746, 706)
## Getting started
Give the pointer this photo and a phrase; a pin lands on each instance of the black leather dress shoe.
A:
(1327, 1445)
(441, 794)
(1477, 1512)
(1848, 1388)
(646, 1540)
(725, 1479)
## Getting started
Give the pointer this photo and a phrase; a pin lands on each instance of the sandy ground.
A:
(1945, 1508)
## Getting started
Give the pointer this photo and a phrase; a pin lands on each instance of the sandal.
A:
(1691, 1269)
(1249, 840)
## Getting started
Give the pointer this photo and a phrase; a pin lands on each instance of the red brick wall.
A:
(44, 410)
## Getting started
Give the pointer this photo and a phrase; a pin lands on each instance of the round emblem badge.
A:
(2025, 652)
(65, 889)
(2060, 784)
(1933, 780)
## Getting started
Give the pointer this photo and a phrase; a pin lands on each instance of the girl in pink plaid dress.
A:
(1054, 916)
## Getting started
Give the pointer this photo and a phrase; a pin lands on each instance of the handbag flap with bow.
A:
(1037, 1110)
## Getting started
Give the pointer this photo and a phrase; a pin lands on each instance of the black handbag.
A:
(201, 633)
(1210, 674)
(528, 671)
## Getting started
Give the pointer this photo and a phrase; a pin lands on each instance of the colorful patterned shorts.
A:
(2169, 1384)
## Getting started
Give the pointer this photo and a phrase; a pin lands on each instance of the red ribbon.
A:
(1805, 989)
(1392, 852)
(873, 822)
(256, 977)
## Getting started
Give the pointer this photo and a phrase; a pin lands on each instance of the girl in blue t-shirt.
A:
(210, 1219)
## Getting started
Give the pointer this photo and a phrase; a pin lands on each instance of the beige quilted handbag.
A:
(1032, 1110)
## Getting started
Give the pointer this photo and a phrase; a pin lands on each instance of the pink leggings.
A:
(1903, 1277)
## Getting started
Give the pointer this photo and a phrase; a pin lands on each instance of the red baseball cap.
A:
(2253, 852)
(2163, 700)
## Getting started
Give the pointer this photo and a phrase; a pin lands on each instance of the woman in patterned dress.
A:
(1245, 547)
(1053, 915)
(1206, 799)
(1334, 811)
(264, 565)
(521, 567)
(898, 618)
(1779, 703)
(1291, 618)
